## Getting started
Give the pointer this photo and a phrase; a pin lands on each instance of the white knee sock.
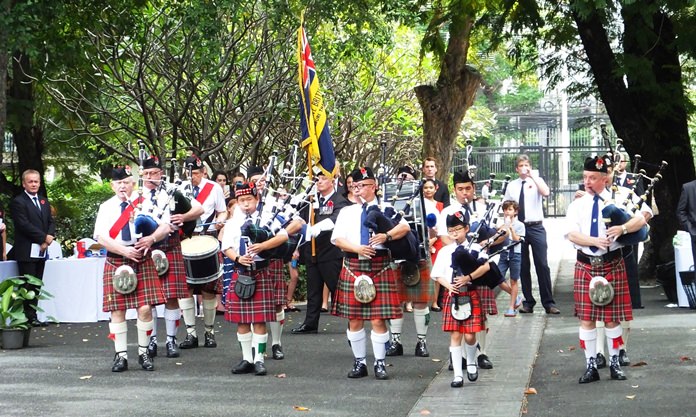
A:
(188, 312)
(277, 328)
(588, 341)
(456, 353)
(154, 321)
(600, 337)
(626, 326)
(421, 317)
(613, 340)
(245, 343)
(144, 331)
(258, 344)
(481, 338)
(171, 321)
(120, 332)
(209, 314)
(379, 347)
(395, 326)
(358, 341)
(470, 357)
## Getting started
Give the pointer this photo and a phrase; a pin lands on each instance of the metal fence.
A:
(561, 167)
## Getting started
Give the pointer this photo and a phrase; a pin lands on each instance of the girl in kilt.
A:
(115, 232)
(599, 255)
(366, 255)
(457, 228)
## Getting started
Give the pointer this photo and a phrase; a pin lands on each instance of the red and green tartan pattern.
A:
(276, 269)
(620, 307)
(473, 324)
(260, 308)
(174, 280)
(148, 292)
(386, 305)
(488, 304)
(424, 291)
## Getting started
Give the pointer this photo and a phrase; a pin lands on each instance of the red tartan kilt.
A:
(487, 300)
(174, 280)
(258, 309)
(148, 292)
(276, 269)
(212, 287)
(620, 307)
(473, 324)
(424, 291)
(386, 305)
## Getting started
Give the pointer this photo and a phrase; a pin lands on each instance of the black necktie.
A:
(196, 190)
(467, 209)
(520, 213)
(321, 201)
(125, 230)
(36, 202)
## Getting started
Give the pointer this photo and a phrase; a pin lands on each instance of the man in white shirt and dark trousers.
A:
(528, 191)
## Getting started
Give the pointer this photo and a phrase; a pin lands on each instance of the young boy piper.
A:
(457, 228)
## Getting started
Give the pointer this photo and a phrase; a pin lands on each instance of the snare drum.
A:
(201, 259)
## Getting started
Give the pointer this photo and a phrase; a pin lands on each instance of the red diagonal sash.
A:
(125, 218)
(205, 192)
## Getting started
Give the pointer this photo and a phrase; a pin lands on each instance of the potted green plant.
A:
(13, 319)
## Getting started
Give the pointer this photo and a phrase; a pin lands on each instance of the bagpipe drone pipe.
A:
(466, 260)
(381, 222)
(259, 234)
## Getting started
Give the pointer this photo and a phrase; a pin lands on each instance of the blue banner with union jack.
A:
(316, 138)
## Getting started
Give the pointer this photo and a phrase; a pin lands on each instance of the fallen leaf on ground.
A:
(85, 340)
(554, 372)
(685, 358)
(281, 376)
(86, 377)
(436, 360)
(425, 412)
(300, 408)
(530, 391)
(179, 363)
(560, 350)
(635, 386)
(637, 364)
(571, 348)
(630, 397)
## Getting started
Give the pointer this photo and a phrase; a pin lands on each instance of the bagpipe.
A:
(466, 260)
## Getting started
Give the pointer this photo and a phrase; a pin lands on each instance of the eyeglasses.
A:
(455, 230)
(153, 173)
(360, 186)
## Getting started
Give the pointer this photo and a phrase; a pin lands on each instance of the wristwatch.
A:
(624, 228)
(389, 238)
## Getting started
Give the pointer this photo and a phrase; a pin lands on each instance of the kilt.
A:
(148, 292)
(487, 300)
(386, 304)
(174, 280)
(620, 307)
(212, 287)
(257, 309)
(473, 324)
(424, 292)
(277, 271)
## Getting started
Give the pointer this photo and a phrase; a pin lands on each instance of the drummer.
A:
(260, 308)
(115, 232)
(421, 295)
(157, 201)
(210, 195)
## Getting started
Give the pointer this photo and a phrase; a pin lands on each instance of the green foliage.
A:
(13, 294)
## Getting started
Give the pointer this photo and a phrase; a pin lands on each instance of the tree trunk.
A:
(445, 104)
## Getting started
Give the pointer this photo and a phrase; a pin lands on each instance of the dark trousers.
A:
(36, 269)
(536, 238)
(631, 261)
(319, 274)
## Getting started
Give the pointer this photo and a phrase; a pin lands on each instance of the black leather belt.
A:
(378, 254)
(113, 255)
(598, 260)
(255, 266)
(532, 223)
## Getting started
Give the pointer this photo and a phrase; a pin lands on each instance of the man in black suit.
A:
(33, 225)
(325, 266)
(429, 170)
(686, 212)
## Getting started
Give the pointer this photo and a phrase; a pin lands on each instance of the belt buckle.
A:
(596, 260)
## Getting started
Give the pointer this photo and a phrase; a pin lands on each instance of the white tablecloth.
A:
(8, 269)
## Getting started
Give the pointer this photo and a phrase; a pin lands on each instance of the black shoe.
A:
(395, 349)
(380, 370)
(616, 372)
(190, 342)
(277, 352)
(457, 382)
(259, 369)
(152, 347)
(209, 340)
(172, 349)
(471, 376)
(303, 329)
(623, 358)
(120, 364)
(38, 323)
(484, 362)
(552, 310)
(359, 370)
(526, 309)
(601, 361)
(243, 367)
(146, 362)
(591, 374)
(324, 310)
(422, 349)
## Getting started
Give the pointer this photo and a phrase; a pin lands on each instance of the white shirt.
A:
(233, 230)
(443, 264)
(533, 200)
(109, 212)
(214, 203)
(348, 224)
(478, 211)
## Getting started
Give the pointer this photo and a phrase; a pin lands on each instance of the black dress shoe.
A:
(484, 362)
(152, 347)
(243, 367)
(553, 310)
(190, 342)
(359, 370)
(38, 323)
(120, 364)
(616, 372)
(395, 349)
(457, 382)
(380, 370)
(172, 349)
(277, 352)
(324, 310)
(601, 361)
(591, 375)
(303, 329)
(209, 340)
(526, 310)
(260, 369)
(422, 349)
(145, 362)
(623, 358)
(472, 376)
